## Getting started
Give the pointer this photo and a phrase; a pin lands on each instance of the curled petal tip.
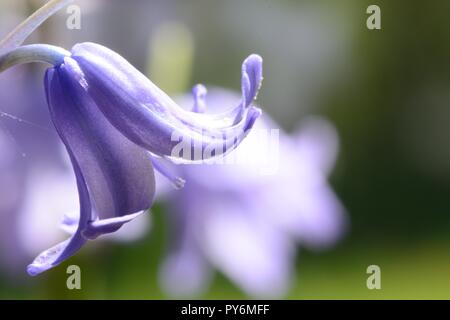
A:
(252, 76)
(97, 228)
(33, 270)
(37, 267)
(55, 255)
(253, 115)
(254, 59)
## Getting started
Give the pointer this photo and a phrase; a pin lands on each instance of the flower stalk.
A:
(33, 53)
(16, 37)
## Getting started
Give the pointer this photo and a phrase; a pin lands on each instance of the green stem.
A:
(16, 37)
(33, 53)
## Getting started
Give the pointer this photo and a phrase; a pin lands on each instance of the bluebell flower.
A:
(113, 121)
(117, 126)
(29, 212)
(31, 157)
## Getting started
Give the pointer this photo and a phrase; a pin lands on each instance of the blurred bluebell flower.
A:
(114, 123)
(11, 185)
(243, 216)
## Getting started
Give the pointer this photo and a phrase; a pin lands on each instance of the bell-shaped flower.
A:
(115, 123)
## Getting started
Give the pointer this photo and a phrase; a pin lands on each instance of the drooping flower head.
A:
(117, 126)
(109, 116)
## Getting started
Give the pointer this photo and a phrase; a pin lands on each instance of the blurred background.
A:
(385, 91)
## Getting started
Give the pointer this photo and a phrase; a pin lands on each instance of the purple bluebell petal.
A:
(62, 251)
(69, 223)
(251, 81)
(103, 226)
(118, 173)
(150, 118)
(252, 78)
(114, 176)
